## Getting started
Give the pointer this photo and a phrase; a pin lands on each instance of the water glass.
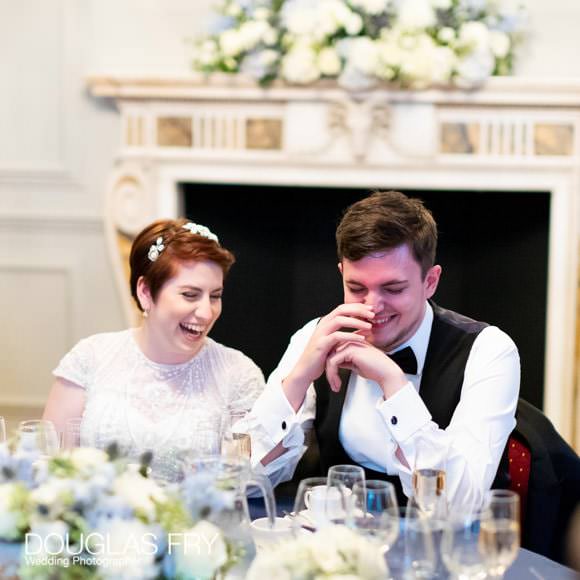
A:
(413, 555)
(461, 546)
(38, 436)
(375, 513)
(500, 530)
(236, 441)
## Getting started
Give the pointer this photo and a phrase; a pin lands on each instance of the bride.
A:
(165, 385)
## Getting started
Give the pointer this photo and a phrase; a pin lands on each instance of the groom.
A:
(389, 369)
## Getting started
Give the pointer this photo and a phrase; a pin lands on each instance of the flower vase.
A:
(10, 559)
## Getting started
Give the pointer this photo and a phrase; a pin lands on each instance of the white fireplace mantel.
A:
(513, 135)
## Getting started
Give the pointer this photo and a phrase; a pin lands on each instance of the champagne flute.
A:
(371, 517)
(429, 478)
(2, 429)
(500, 530)
(235, 442)
(461, 546)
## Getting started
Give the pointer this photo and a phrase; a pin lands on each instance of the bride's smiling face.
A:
(183, 312)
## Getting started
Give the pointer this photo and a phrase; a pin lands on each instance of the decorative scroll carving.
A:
(360, 121)
(129, 208)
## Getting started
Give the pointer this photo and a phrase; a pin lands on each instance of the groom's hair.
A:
(385, 220)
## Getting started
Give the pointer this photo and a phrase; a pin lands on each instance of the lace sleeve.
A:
(76, 365)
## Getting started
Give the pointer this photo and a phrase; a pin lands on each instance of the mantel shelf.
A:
(498, 91)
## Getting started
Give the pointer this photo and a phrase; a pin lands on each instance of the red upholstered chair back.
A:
(520, 458)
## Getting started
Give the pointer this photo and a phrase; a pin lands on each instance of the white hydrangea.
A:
(202, 555)
(364, 54)
(371, 6)
(474, 35)
(9, 518)
(415, 14)
(139, 492)
(474, 69)
(300, 66)
(329, 62)
(231, 42)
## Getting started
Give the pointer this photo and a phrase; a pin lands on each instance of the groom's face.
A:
(393, 284)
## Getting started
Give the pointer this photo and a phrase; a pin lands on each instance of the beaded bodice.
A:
(144, 405)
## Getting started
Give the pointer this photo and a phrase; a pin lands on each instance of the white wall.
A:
(57, 146)
(147, 36)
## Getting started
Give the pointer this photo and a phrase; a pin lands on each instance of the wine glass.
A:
(371, 517)
(319, 504)
(235, 442)
(461, 546)
(500, 530)
(346, 475)
(429, 478)
(412, 555)
(38, 436)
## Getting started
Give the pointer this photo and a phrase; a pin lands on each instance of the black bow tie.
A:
(406, 359)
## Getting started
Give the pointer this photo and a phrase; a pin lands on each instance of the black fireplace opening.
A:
(493, 247)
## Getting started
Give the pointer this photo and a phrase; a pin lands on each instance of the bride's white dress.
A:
(167, 409)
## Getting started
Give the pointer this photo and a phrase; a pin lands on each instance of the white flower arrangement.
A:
(87, 513)
(332, 552)
(414, 43)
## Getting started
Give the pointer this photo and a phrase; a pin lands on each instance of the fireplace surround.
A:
(514, 135)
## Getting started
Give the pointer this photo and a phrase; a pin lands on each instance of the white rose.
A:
(231, 43)
(371, 6)
(474, 35)
(416, 14)
(201, 553)
(444, 61)
(364, 54)
(87, 458)
(252, 32)
(9, 519)
(329, 62)
(299, 17)
(353, 24)
(500, 43)
(446, 34)
(139, 492)
(299, 65)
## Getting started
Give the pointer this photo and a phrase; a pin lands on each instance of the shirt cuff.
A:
(275, 414)
(404, 413)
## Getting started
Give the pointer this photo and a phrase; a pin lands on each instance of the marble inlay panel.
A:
(553, 139)
(174, 132)
(263, 134)
(460, 138)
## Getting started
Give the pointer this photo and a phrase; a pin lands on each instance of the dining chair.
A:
(545, 472)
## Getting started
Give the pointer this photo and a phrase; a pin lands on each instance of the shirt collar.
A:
(420, 340)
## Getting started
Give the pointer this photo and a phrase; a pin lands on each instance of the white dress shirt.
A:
(474, 439)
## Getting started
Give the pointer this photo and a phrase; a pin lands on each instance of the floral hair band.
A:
(158, 247)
